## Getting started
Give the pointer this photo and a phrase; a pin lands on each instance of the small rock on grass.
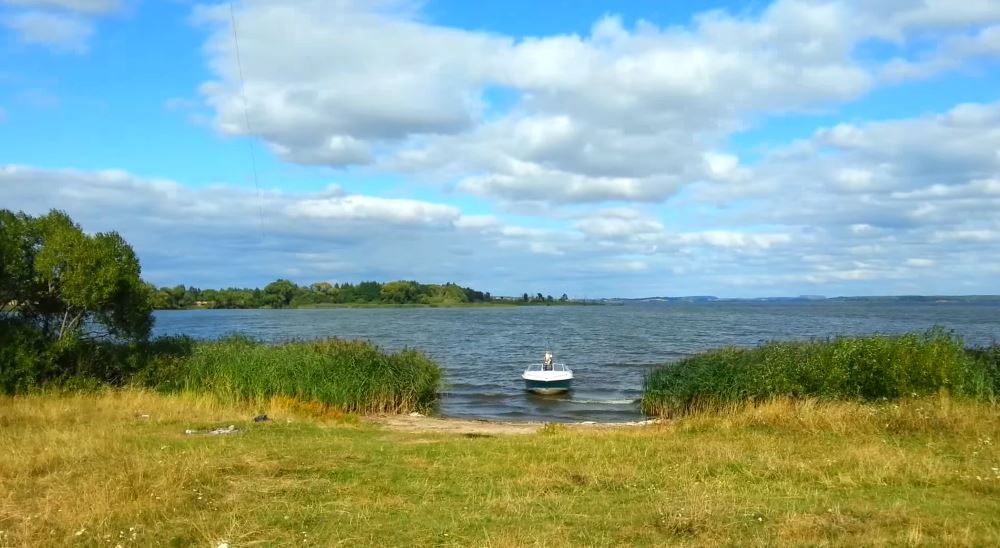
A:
(231, 429)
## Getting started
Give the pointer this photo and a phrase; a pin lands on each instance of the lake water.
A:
(609, 348)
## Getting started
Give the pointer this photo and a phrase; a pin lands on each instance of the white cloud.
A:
(737, 240)
(348, 79)
(223, 235)
(619, 224)
(622, 113)
(526, 181)
(951, 54)
(628, 113)
(61, 25)
(394, 211)
(477, 222)
(63, 32)
(625, 266)
(85, 6)
(936, 167)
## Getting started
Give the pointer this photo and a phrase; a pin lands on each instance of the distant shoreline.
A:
(407, 305)
(916, 299)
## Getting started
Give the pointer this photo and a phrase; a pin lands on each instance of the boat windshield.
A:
(541, 367)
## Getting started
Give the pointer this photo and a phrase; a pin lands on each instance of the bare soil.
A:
(422, 424)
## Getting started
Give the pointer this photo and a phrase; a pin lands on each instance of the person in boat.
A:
(547, 362)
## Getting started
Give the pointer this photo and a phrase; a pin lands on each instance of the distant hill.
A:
(924, 298)
(812, 298)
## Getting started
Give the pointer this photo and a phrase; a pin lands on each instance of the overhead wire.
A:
(246, 119)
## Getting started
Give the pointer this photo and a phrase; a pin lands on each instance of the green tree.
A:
(325, 288)
(368, 292)
(400, 292)
(279, 293)
(60, 280)
(564, 298)
(18, 244)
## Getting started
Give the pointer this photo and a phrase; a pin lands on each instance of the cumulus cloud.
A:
(349, 80)
(223, 235)
(84, 6)
(613, 152)
(626, 112)
(63, 32)
(61, 25)
(888, 199)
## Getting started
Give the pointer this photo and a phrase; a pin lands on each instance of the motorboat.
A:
(548, 377)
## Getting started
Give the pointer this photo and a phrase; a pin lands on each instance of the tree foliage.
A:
(283, 293)
(66, 283)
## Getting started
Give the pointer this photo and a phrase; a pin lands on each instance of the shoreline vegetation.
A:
(286, 294)
(861, 368)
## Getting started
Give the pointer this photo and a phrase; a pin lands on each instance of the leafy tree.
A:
(59, 280)
(564, 298)
(18, 245)
(400, 292)
(279, 293)
(368, 292)
(324, 288)
(283, 293)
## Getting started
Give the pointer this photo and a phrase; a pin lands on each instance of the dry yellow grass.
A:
(88, 470)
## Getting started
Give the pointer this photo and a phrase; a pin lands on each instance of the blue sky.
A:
(638, 148)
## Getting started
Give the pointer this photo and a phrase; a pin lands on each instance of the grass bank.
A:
(874, 367)
(89, 470)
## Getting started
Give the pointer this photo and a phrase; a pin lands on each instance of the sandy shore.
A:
(421, 424)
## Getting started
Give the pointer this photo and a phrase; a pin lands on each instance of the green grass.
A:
(83, 470)
(352, 376)
(349, 376)
(853, 368)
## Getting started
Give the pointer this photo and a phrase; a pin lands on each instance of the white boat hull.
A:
(548, 382)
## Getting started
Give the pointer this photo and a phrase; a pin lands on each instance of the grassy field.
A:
(90, 470)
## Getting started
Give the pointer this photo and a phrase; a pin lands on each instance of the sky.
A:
(599, 149)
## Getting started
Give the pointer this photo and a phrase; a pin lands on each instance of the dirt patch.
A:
(481, 428)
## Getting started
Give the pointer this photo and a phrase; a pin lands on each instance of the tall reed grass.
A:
(853, 368)
(353, 376)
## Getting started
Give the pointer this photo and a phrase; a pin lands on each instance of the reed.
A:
(872, 367)
(352, 376)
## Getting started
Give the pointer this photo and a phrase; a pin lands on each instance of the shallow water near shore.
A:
(609, 348)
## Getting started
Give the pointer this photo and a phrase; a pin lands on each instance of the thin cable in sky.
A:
(246, 118)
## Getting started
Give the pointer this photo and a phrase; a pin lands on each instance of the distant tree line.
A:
(286, 294)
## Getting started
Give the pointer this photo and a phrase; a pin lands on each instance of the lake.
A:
(609, 348)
